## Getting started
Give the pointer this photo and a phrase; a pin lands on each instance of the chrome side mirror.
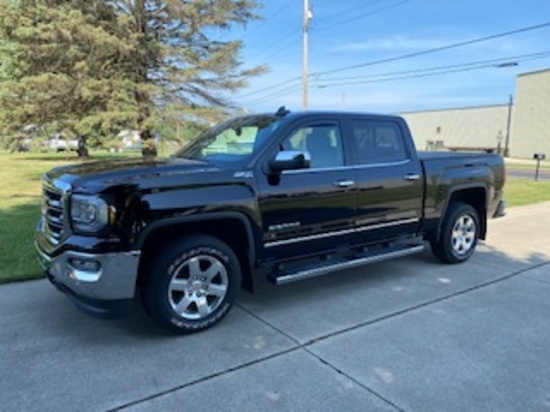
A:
(290, 160)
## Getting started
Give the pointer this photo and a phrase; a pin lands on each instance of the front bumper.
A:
(102, 285)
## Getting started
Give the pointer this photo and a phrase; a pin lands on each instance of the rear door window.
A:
(377, 142)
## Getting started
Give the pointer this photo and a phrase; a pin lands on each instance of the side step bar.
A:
(323, 269)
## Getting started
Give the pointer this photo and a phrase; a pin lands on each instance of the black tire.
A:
(184, 285)
(459, 234)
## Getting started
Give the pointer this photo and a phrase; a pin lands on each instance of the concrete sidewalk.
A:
(411, 334)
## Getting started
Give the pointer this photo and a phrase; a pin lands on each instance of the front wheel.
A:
(192, 284)
(459, 234)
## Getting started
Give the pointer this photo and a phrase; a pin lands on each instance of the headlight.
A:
(89, 214)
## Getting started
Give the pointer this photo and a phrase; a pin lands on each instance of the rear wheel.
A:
(192, 284)
(459, 234)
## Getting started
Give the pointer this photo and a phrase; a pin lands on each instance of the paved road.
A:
(544, 174)
(406, 335)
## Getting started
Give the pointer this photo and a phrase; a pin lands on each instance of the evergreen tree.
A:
(94, 67)
(64, 67)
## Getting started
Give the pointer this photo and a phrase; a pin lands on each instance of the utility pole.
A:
(507, 140)
(305, 27)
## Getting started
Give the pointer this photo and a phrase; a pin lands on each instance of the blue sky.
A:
(353, 32)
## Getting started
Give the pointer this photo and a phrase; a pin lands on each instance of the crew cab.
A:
(283, 196)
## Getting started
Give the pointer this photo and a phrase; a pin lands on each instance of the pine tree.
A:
(95, 67)
(63, 68)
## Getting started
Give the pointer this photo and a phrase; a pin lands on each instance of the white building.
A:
(531, 128)
(468, 128)
(485, 127)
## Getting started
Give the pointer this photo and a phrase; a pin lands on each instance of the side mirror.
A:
(290, 160)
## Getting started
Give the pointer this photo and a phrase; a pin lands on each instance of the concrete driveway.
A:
(406, 335)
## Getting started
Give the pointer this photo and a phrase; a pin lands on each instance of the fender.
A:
(448, 197)
(171, 221)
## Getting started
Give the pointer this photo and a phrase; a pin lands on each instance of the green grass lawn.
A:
(20, 190)
(521, 192)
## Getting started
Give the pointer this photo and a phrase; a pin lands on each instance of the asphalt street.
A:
(407, 335)
(544, 174)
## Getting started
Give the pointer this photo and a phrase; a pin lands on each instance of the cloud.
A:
(407, 44)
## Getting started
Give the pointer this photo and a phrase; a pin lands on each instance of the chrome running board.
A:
(364, 259)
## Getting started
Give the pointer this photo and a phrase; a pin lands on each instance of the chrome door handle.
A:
(411, 176)
(343, 183)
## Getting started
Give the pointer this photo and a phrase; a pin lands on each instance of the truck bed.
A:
(445, 171)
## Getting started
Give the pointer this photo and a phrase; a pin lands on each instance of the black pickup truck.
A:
(282, 196)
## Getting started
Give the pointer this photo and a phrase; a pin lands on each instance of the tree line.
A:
(95, 67)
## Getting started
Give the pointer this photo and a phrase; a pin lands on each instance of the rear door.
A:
(309, 210)
(389, 179)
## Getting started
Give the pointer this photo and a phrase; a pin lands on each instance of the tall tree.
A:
(97, 66)
(64, 67)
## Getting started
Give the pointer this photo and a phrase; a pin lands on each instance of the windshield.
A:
(233, 140)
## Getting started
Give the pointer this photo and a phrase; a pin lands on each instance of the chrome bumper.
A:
(109, 276)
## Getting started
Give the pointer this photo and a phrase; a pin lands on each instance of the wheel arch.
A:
(473, 195)
(232, 228)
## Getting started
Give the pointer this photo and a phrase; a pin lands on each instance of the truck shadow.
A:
(316, 307)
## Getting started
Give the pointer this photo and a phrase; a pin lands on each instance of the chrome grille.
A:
(53, 212)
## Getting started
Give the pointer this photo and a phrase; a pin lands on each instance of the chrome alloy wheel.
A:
(198, 287)
(464, 234)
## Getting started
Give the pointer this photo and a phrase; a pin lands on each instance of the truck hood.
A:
(94, 175)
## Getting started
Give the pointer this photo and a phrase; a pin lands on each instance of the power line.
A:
(273, 86)
(266, 20)
(418, 75)
(293, 35)
(491, 62)
(288, 45)
(401, 57)
(352, 9)
(433, 50)
(276, 94)
(290, 34)
(296, 39)
(279, 51)
(357, 17)
(411, 74)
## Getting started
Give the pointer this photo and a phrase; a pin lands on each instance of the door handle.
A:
(411, 176)
(343, 183)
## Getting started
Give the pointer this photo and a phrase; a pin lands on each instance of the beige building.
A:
(485, 127)
(531, 128)
(469, 128)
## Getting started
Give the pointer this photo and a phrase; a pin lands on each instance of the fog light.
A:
(83, 270)
(85, 265)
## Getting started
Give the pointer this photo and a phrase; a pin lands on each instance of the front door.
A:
(309, 210)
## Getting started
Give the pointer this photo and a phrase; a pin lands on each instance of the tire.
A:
(459, 234)
(192, 284)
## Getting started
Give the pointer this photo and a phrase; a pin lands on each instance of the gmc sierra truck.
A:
(283, 196)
